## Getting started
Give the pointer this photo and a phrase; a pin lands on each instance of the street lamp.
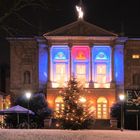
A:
(122, 97)
(28, 96)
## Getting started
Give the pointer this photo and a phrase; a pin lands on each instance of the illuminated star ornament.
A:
(80, 12)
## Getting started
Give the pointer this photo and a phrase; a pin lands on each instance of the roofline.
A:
(60, 28)
(81, 37)
(65, 26)
(136, 39)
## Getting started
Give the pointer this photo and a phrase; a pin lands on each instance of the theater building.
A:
(105, 63)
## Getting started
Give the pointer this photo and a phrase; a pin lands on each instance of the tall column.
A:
(49, 84)
(70, 65)
(91, 81)
(42, 63)
(112, 66)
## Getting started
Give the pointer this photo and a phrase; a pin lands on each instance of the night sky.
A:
(113, 15)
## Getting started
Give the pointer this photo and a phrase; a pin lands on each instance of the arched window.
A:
(59, 65)
(102, 111)
(101, 66)
(59, 105)
(27, 77)
(81, 63)
(136, 79)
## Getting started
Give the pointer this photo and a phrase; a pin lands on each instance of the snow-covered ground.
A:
(44, 134)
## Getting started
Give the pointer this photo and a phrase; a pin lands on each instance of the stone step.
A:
(102, 124)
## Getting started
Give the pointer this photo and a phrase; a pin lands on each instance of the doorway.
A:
(102, 109)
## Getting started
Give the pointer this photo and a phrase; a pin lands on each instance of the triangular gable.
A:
(80, 28)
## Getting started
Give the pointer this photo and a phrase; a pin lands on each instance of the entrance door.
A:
(102, 109)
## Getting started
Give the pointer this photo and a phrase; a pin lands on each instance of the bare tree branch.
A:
(5, 29)
(14, 10)
(24, 20)
(27, 5)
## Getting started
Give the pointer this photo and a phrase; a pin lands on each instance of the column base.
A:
(49, 84)
(112, 84)
(91, 85)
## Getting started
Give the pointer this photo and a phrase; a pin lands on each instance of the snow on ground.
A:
(44, 134)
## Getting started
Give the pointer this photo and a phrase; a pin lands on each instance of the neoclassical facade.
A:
(103, 62)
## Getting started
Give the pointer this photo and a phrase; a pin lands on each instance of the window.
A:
(101, 73)
(59, 106)
(81, 72)
(101, 64)
(102, 109)
(135, 56)
(60, 73)
(81, 63)
(59, 65)
(27, 77)
(136, 79)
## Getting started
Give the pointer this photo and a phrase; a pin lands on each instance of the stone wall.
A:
(131, 66)
(23, 57)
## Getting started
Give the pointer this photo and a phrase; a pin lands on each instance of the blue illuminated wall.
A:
(101, 55)
(119, 65)
(43, 64)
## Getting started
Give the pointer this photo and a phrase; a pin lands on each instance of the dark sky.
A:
(109, 14)
(113, 15)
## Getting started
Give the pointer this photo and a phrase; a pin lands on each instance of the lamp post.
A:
(28, 96)
(122, 97)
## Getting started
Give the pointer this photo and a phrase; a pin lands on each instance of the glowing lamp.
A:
(82, 100)
(28, 95)
(122, 97)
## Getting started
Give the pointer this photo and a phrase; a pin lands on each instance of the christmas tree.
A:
(75, 113)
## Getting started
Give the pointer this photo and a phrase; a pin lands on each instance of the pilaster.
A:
(49, 83)
(91, 81)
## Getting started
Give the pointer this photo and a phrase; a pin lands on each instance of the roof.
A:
(80, 28)
(16, 109)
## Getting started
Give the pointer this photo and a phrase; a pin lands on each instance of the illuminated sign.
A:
(133, 98)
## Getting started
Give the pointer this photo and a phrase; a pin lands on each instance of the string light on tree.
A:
(82, 100)
(75, 113)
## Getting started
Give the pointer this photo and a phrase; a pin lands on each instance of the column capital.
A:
(91, 45)
(70, 45)
(49, 43)
(121, 40)
(49, 47)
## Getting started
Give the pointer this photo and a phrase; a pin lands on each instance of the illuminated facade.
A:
(99, 59)
(86, 52)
